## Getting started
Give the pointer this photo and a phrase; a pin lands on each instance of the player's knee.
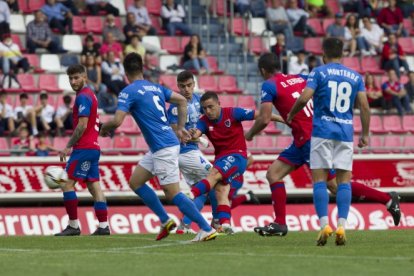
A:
(273, 176)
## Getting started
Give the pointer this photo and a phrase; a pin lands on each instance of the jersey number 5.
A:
(159, 107)
(308, 109)
(340, 96)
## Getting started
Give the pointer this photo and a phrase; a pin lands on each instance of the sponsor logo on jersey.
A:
(81, 108)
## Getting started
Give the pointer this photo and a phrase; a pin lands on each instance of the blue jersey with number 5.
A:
(146, 103)
(336, 88)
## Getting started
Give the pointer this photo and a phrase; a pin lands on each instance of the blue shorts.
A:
(231, 167)
(83, 164)
(297, 157)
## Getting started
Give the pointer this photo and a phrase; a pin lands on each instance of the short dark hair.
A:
(133, 64)
(67, 99)
(270, 62)
(333, 47)
(209, 95)
(43, 96)
(23, 96)
(76, 69)
(184, 76)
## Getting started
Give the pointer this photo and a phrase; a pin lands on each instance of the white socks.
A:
(103, 224)
(74, 223)
(323, 221)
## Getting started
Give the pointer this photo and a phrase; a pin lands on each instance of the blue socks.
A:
(320, 198)
(151, 199)
(343, 200)
(199, 203)
(189, 209)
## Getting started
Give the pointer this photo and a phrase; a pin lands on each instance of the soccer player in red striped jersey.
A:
(281, 91)
(84, 159)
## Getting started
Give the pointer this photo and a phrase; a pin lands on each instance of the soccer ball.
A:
(55, 176)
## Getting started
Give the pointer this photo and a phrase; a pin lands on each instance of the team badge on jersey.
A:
(227, 123)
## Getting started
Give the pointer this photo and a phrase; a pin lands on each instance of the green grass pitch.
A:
(366, 253)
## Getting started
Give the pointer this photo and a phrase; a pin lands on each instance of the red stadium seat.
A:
(59, 102)
(212, 63)
(247, 125)
(35, 5)
(376, 145)
(326, 22)
(313, 45)
(393, 143)
(171, 44)
(408, 123)
(333, 6)
(169, 81)
(227, 101)
(124, 144)
(282, 142)
(239, 26)
(184, 41)
(356, 148)
(376, 125)
(393, 124)
(94, 24)
(23, 6)
(352, 62)
(408, 145)
(49, 83)
(408, 25)
(246, 102)
(4, 147)
(157, 25)
(78, 25)
(371, 65)
(219, 4)
(271, 129)
(265, 144)
(16, 39)
(106, 144)
(256, 45)
(228, 84)
(27, 83)
(140, 144)
(208, 83)
(407, 45)
(60, 142)
(357, 125)
(154, 7)
(34, 61)
(315, 24)
(128, 126)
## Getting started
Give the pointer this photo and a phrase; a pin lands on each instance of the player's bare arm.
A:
(300, 103)
(362, 102)
(77, 134)
(181, 103)
(261, 120)
(116, 121)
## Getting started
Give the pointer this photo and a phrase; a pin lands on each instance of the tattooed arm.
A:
(77, 134)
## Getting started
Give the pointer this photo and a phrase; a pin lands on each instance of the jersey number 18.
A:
(340, 96)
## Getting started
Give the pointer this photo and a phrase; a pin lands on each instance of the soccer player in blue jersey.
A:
(192, 163)
(335, 89)
(146, 103)
(84, 160)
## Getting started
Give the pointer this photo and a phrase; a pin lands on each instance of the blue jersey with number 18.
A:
(336, 88)
(146, 103)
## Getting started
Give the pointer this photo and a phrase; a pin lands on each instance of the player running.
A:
(84, 160)
(281, 91)
(335, 89)
(146, 103)
(224, 129)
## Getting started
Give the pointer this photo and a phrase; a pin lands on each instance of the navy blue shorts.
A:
(83, 164)
(231, 167)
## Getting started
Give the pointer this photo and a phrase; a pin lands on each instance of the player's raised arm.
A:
(181, 103)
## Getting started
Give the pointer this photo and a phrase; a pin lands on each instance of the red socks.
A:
(279, 201)
(364, 192)
(201, 188)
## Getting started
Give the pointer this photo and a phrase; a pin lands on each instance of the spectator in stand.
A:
(58, 15)
(71, 5)
(106, 101)
(131, 28)
(113, 73)
(135, 47)
(173, 17)
(338, 30)
(409, 86)
(96, 6)
(110, 27)
(242, 6)
(298, 18)
(281, 51)
(313, 62)
(63, 117)
(353, 34)
(44, 114)
(25, 115)
(406, 6)
(393, 56)
(142, 19)
(90, 48)
(391, 19)
(13, 6)
(374, 93)
(258, 8)
(372, 36)
(39, 35)
(195, 56)
(6, 115)
(299, 66)
(278, 20)
(4, 18)
(361, 7)
(395, 94)
(110, 45)
(42, 146)
(12, 56)
(23, 144)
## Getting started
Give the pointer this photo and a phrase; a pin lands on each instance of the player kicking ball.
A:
(280, 91)
(146, 103)
(84, 160)
(224, 129)
(335, 89)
